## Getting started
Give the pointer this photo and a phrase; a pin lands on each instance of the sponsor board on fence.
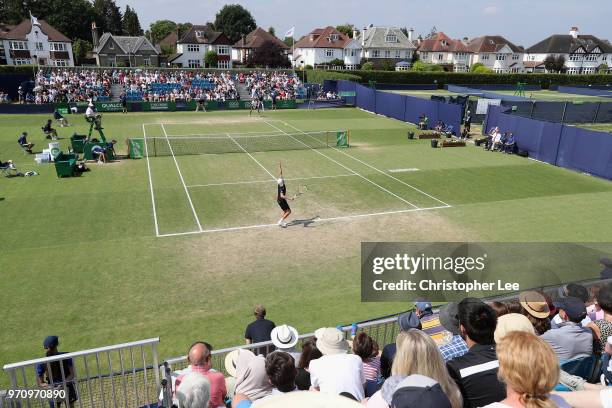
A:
(159, 106)
(109, 106)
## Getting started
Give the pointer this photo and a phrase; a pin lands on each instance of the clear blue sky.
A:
(523, 22)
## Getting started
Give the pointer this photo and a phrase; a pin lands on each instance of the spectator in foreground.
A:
(406, 322)
(309, 352)
(194, 392)
(509, 323)
(49, 376)
(199, 362)
(259, 330)
(251, 378)
(535, 308)
(284, 339)
(417, 354)
(530, 370)
(449, 319)
(430, 321)
(569, 339)
(420, 391)
(365, 347)
(476, 371)
(280, 368)
(594, 311)
(602, 329)
(336, 371)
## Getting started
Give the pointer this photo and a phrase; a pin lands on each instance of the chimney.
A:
(363, 34)
(94, 34)
(410, 33)
(355, 33)
(574, 32)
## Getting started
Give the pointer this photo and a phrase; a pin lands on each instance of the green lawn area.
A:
(81, 257)
(605, 127)
(554, 96)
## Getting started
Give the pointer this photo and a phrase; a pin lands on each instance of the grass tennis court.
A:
(82, 258)
(603, 127)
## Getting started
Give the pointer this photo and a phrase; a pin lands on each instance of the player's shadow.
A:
(309, 222)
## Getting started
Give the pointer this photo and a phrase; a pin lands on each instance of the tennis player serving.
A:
(281, 197)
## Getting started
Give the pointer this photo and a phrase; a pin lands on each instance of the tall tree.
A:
(80, 48)
(108, 16)
(272, 31)
(234, 21)
(346, 29)
(130, 23)
(269, 55)
(184, 27)
(160, 29)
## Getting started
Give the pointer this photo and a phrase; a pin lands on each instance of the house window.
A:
(575, 57)
(440, 57)
(58, 47)
(60, 63)
(329, 53)
(398, 54)
(572, 71)
(589, 70)
(111, 45)
(199, 34)
(112, 62)
(223, 64)
(500, 57)
(375, 53)
(424, 55)
(515, 57)
(146, 62)
(193, 63)
(39, 46)
(193, 48)
(387, 54)
(334, 37)
(391, 38)
(485, 56)
(22, 61)
(591, 57)
(223, 50)
(460, 55)
(19, 45)
(350, 53)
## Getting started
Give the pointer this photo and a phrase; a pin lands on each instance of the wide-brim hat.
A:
(231, 361)
(331, 341)
(512, 322)
(535, 304)
(284, 337)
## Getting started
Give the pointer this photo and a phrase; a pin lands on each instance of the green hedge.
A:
(318, 76)
(459, 78)
(17, 69)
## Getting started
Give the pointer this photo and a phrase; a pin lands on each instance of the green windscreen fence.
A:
(136, 148)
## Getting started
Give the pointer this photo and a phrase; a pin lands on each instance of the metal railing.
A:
(112, 376)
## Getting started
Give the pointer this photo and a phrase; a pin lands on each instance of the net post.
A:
(348, 138)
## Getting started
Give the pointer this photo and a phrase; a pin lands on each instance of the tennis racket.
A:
(301, 190)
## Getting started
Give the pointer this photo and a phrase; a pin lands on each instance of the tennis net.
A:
(239, 143)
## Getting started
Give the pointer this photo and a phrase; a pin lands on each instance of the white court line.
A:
(380, 171)
(318, 220)
(344, 167)
(251, 156)
(195, 215)
(268, 181)
(219, 134)
(144, 133)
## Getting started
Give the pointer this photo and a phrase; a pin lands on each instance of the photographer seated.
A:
(423, 120)
(48, 130)
(439, 127)
(99, 153)
(59, 118)
(23, 142)
(510, 144)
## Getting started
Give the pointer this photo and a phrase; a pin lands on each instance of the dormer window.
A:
(391, 38)
(444, 43)
(334, 37)
(199, 34)
(111, 46)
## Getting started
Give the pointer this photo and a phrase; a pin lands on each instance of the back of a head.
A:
(363, 345)
(280, 368)
(309, 352)
(529, 366)
(478, 320)
(199, 353)
(604, 298)
(577, 291)
(259, 311)
(193, 392)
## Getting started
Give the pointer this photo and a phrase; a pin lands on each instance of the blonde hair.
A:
(417, 353)
(529, 366)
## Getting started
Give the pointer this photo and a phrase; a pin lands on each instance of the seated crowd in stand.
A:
(72, 86)
(516, 353)
(4, 97)
(270, 85)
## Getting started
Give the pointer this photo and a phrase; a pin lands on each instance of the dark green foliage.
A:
(108, 16)
(234, 21)
(131, 24)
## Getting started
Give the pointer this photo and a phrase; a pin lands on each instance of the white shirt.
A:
(90, 111)
(338, 373)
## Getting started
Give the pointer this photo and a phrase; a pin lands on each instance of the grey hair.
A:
(193, 391)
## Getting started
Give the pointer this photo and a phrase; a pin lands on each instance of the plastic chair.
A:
(582, 367)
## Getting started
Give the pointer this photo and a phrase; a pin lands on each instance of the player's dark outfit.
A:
(283, 204)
